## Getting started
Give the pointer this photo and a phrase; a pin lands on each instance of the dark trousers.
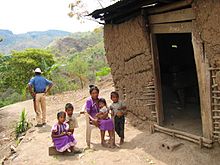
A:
(120, 126)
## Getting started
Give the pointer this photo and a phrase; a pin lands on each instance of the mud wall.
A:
(206, 28)
(206, 44)
(128, 53)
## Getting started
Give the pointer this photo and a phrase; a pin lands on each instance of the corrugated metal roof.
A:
(124, 10)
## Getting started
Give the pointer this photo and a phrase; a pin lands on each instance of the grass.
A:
(23, 124)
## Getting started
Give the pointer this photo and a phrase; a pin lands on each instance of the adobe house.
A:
(165, 61)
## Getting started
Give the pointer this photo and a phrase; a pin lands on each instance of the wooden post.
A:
(203, 75)
(202, 141)
(215, 102)
(156, 70)
(53, 152)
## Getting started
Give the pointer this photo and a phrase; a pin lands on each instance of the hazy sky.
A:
(21, 16)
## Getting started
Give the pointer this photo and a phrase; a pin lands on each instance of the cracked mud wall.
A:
(206, 43)
(128, 53)
(206, 28)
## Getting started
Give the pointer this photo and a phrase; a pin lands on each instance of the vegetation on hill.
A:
(75, 42)
(16, 70)
(81, 67)
(70, 62)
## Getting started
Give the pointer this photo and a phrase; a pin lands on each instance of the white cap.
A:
(37, 70)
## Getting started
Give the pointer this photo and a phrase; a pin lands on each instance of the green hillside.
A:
(71, 62)
(75, 42)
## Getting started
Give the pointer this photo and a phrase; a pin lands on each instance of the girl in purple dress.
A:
(62, 138)
(92, 107)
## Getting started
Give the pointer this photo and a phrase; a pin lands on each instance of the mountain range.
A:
(61, 43)
(35, 39)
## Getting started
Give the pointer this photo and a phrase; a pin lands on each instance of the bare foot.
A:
(104, 144)
(111, 143)
(121, 141)
(111, 146)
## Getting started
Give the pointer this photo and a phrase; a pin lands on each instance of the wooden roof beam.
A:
(169, 7)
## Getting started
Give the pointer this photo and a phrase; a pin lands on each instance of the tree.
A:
(78, 68)
(19, 68)
(3, 69)
(79, 9)
(95, 58)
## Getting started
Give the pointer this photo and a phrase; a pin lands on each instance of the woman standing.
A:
(92, 108)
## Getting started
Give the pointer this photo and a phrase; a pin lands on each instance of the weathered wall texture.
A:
(206, 43)
(207, 28)
(127, 48)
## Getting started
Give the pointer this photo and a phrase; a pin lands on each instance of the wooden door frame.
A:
(203, 81)
(178, 21)
(163, 20)
(157, 79)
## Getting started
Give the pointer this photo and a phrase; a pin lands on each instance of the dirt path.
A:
(140, 148)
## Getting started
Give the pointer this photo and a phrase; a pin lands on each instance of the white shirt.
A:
(72, 121)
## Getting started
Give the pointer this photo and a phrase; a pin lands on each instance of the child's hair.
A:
(102, 100)
(114, 93)
(92, 88)
(68, 106)
(59, 114)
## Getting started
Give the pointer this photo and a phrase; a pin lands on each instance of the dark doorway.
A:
(179, 83)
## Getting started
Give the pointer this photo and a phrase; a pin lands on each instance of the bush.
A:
(62, 83)
(9, 96)
(22, 125)
(103, 72)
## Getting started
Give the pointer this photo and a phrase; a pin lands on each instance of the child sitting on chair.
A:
(106, 124)
(103, 111)
(63, 139)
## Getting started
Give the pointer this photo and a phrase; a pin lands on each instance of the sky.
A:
(21, 16)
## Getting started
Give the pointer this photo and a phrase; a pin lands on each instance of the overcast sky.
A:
(21, 16)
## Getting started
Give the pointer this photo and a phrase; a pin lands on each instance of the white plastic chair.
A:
(89, 127)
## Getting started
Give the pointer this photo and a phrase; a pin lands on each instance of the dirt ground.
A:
(140, 147)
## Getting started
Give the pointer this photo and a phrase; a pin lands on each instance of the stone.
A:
(13, 149)
(6, 139)
(21, 138)
(3, 160)
(31, 130)
(13, 156)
